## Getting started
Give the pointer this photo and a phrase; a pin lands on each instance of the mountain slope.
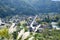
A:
(27, 7)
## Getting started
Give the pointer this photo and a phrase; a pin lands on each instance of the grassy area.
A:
(45, 35)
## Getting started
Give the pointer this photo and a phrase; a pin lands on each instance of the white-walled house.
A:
(0, 21)
(54, 25)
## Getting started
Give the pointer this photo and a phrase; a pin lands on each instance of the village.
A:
(32, 22)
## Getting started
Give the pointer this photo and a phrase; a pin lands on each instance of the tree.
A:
(38, 20)
(59, 23)
(4, 33)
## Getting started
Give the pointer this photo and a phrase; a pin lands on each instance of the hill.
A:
(28, 7)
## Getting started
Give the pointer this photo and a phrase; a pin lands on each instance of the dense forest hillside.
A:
(28, 7)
